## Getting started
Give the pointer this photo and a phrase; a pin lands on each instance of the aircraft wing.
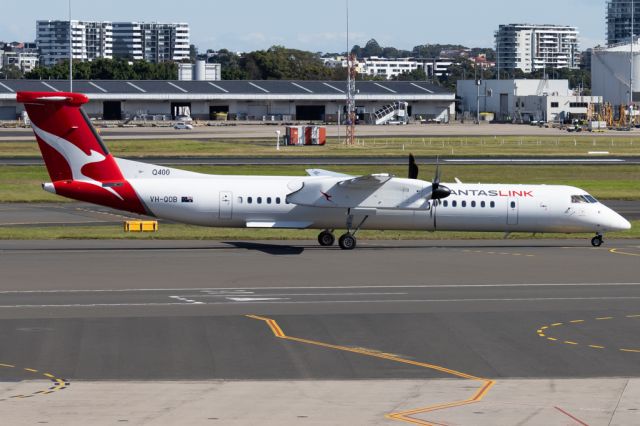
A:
(326, 173)
(371, 191)
(368, 181)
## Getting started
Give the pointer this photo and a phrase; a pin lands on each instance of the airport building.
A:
(264, 100)
(535, 47)
(154, 42)
(524, 101)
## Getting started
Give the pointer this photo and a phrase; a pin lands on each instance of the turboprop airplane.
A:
(81, 168)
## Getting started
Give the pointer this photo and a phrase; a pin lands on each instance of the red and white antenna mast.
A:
(351, 90)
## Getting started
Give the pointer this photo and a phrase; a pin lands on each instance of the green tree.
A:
(372, 48)
(415, 75)
(11, 72)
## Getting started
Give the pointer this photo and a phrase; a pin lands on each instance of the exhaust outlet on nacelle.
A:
(48, 186)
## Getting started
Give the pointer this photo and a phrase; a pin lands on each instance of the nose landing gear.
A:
(597, 241)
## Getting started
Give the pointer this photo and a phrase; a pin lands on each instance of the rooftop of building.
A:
(226, 88)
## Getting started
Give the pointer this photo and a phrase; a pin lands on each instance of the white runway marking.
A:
(355, 287)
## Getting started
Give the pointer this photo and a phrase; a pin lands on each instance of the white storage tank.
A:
(200, 70)
(610, 71)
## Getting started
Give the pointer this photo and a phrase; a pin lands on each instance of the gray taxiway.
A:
(157, 315)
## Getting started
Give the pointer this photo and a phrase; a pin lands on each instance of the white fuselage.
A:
(320, 202)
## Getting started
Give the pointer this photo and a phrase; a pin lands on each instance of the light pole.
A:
(478, 83)
(70, 52)
(277, 140)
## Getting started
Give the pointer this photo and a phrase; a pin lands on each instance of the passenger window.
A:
(268, 200)
(513, 204)
(493, 204)
(277, 200)
(249, 200)
(259, 200)
(239, 200)
(483, 204)
(445, 203)
(464, 204)
(454, 204)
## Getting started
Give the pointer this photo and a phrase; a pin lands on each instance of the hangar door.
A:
(310, 112)
(111, 110)
(8, 113)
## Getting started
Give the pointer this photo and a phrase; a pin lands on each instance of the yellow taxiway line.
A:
(404, 416)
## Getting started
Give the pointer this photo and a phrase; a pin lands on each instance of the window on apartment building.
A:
(555, 104)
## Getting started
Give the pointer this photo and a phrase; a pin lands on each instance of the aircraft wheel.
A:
(347, 242)
(326, 239)
(597, 241)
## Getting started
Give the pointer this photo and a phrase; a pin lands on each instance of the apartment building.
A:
(154, 42)
(534, 47)
(619, 20)
(89, 40)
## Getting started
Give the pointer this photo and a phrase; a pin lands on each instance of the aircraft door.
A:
(225, 205)
(512, 212)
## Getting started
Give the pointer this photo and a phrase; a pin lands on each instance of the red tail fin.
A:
(77, 160)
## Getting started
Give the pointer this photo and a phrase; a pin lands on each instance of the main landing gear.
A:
(346, 241)
(597, 240)
(326, 238)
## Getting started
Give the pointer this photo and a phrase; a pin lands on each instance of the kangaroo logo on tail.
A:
(76, 158)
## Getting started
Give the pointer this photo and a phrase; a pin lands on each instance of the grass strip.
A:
(188, 232)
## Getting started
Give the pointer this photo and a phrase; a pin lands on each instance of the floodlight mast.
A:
(351, 90)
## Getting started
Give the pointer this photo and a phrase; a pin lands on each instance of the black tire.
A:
(347, 242)
(326, 239)
(596, 241)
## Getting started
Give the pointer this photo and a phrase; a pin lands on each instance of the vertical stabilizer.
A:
(78, 162)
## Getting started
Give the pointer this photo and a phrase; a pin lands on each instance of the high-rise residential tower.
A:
(534, 47)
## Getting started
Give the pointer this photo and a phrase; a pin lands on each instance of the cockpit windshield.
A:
(583, 199)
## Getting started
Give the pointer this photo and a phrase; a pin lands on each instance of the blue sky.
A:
(319, 25)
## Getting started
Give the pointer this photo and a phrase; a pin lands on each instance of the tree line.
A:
(281, 63)
(107, 69)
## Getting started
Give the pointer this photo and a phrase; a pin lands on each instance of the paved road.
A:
(327, 161)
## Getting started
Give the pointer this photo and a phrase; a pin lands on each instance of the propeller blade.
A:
(413, 168)
(436, 180)
(438, 191)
